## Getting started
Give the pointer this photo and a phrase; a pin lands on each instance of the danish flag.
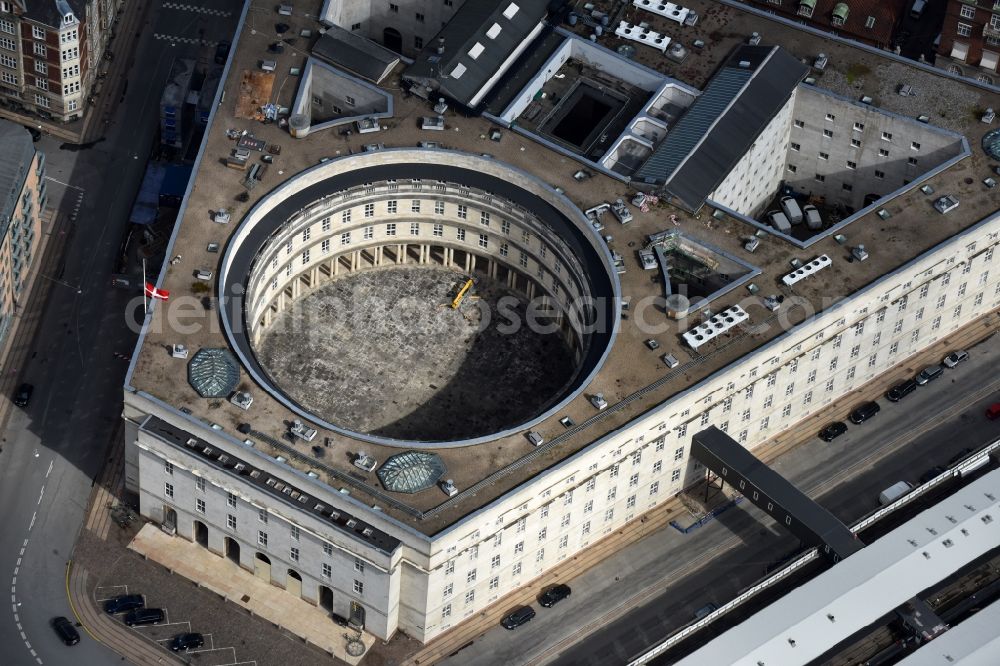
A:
(153, 292)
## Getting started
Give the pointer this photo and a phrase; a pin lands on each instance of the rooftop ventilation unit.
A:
(242, 399)
(449, 488)
(302, 431)
(179, 351)
(667, 10)
(715, 326)
(626, 30)
(817, 264)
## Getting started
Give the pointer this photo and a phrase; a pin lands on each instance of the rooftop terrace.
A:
(633, 379)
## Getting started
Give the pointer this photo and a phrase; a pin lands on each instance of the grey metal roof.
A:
(213, 373)
(815, 617)
(523, 70)
(457, 73)
(974, 642)
(18, 152)
(411, 471)
(355, 54)
(722, 124)
(51, 12)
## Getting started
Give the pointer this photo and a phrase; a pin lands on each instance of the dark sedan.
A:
(144, 616)
(833, 431)
(124, 602)
(67, 632)
(901, 390)
(517, 618)
(554, 595)
(865, 412)
(188, 641)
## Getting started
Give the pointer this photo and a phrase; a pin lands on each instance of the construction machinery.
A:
(460, 296)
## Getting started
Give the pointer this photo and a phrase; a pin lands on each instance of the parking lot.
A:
(210, 654)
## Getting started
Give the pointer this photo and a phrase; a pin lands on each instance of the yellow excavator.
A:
(457, 301)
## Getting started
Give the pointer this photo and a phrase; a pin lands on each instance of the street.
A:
(713, 563)
(54, 448)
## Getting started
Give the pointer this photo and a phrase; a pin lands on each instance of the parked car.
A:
(188, 641)
(930, 373)
(901, 390)
(339, 619)
(993, 411)
(221, 53)
(932, 473)
(833, 431)
(894, 492)
(23, 395)
(124, 602)
(954, 358)
(518, 617)
(66, 631)
(865, 412)
(705, 611)
(554, 595)
(144, 616)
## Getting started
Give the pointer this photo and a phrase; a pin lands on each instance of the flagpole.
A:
(145, 309)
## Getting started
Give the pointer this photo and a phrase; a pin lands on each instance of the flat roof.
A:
(632, 379)
(815, 617)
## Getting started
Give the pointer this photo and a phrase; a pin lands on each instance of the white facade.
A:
(432, 583)
(412, 22)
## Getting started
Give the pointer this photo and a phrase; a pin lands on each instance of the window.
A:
(393, 8)
(10, 45)
(293, 553)
(262, 515)
(820, 177)
(542, 533)
(484, 240)
(852, 165)
(588, 506)
(882, 152)
(68, 36)
(37, 33)
(71, 54)
(359, 587)
(544, 513)
(828, 133)
(494, 582)
(7, 26)
(795, 146)
(675, 475)
(612, 493)
(355, 26)
(231, 499)
(324, 245)
(391, 206)
(369, 210)
(41, 84)
(419, 17)
(262, 538)
(168, 489)
(484, 218)
(870, 22)
(390, 229)
(824, 156)
(463, 212)
(368, 233)
(470, 577)
(305, 257)
(799, 123)
(847, 187)
(792, 168)
(879, 174)
(609, 514)
(200, 483)
(327, 570)
(912, 161)
(328, 549)
(633, 480)
(8, 61)
(418, 42)
(71, 71)
(518, 547)
(830, 117)
(967, 12)
(231, 521)
(295, 533)
(439, 208)
(449, 567)
(199, 505)
(914, 145)
(495, 562)
(887, 136)
(470, 596)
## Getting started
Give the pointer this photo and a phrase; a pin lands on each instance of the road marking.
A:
(13, 582)
(33, 516)
(49, 471)
(175, 39)
(59, 182)
(195, 8)
(41, 494)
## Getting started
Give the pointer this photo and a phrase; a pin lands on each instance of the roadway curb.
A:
(129, 644)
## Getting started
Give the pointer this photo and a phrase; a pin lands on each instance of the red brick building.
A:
(970, 39)
(872, 22)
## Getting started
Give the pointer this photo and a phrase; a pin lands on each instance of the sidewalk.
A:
(21, 335)
(612, 545)
(242, 588)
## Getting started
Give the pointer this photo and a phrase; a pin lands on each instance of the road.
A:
(53, 449)
(685, 572)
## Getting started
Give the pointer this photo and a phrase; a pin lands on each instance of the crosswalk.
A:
(175, 39)
(195, 8)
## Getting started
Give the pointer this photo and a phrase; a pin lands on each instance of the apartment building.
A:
(970, 39)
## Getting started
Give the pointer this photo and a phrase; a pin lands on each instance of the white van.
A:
(779, 221)
(792, 210)
(894, 492)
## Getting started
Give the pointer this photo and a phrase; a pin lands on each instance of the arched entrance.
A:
(392, 39)
(294, 583)
(201, 533)
(262, 567)
(169, 519)
(326, 598)
(357, 618)
(232, 550)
